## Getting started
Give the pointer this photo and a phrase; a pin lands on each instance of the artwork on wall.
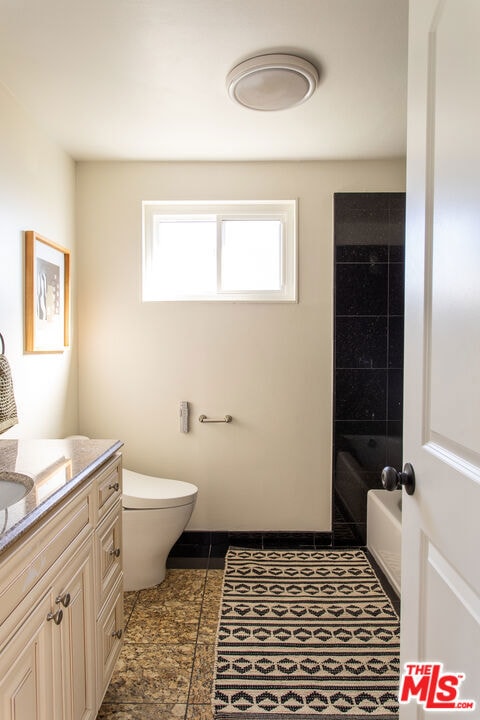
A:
(47, 295)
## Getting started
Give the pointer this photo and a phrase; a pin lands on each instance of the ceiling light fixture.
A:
(272, 82)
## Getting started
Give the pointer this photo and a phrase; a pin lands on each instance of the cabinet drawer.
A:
(109, 638)
(29, 560)
(108, 486)
(108, 553)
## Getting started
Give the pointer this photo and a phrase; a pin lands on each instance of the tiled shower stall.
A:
(368, 352)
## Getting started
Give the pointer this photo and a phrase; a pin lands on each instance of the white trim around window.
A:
(235, 251)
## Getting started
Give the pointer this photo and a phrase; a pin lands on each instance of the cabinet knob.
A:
(117, 633)
(115, 552)
(57, 616)
(63, 599)
(114, 486)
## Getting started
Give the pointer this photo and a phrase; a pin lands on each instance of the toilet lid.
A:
(146, 492)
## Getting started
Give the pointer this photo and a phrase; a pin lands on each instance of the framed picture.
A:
(47, 294)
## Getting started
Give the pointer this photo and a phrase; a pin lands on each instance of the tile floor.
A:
(165, 670)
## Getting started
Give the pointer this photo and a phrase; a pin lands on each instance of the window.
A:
(230, 251)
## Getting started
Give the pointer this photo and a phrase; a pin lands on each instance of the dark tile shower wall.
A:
(368, 390)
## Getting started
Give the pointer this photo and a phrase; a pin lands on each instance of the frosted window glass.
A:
(185, 257)
(251, 255)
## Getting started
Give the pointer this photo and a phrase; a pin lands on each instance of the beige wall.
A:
(270, 366)
(37, 188)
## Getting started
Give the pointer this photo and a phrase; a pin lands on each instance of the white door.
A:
(441, 520)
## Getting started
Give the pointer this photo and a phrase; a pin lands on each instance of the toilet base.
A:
(148, 537)
(140, 576)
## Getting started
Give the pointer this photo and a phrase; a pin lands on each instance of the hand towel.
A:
(8, 407)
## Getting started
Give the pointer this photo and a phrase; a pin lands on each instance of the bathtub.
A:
(359, 462)
(384, 532)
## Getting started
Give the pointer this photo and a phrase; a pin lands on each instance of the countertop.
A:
(56, 467)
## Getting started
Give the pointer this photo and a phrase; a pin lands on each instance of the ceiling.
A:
(145, 79)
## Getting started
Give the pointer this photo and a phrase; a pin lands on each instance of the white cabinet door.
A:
(441, 526)
(49, 663)
(28, 686)
(75, 597)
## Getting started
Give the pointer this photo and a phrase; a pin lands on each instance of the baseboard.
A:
(204, 544)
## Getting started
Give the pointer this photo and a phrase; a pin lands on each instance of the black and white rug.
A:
(303, 633)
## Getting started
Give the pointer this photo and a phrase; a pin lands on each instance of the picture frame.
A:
(47, 295)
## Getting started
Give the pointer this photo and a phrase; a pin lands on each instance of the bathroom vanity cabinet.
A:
(61, 605)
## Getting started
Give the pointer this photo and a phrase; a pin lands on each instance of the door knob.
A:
(393, 480)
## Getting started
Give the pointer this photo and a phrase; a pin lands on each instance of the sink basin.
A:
(13, 487)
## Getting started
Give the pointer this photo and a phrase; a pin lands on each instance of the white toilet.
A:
(155, 513)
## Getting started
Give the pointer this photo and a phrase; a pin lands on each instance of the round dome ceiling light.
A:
(272, 82)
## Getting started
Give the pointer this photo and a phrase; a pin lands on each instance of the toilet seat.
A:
(144, 492)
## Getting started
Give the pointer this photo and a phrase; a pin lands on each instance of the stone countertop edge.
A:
(14, 533)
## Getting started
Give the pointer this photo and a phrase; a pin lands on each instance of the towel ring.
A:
(3, 344)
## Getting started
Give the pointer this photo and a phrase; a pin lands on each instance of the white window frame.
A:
(284, 211)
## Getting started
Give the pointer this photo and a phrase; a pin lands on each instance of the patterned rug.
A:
(303, 633)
